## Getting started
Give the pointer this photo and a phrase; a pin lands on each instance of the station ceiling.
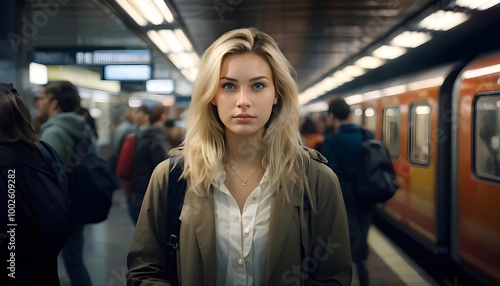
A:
(316, 36)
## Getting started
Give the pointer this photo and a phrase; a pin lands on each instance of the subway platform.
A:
(106, 247)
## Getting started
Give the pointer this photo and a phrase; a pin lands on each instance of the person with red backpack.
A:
(139, 156)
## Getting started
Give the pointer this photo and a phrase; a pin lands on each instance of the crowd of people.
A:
(259, 200)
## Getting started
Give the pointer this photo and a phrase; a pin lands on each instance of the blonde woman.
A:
(259, 208)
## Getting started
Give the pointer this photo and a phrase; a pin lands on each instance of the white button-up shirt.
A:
(241, 239)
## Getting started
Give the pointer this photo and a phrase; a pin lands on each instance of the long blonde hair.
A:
(204, 145)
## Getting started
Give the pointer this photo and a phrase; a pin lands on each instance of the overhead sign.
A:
(127, 72)
(93, 57)
(160, 86)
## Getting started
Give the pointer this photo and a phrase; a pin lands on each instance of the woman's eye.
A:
(229, 86)
(258, 86)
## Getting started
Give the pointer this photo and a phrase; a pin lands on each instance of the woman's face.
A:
(245, 95)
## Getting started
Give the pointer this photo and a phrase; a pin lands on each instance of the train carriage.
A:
(442, 129)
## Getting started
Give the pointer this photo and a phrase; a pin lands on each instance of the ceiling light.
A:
(477, 4)
(167, 14)
(157, 40)
(169, 37)
(353, 71)
(149, 11)
(190, 74)
(389, 52)
(342, 76)
(181, 37)
(443, 20)
(132, 12)
(411, 39)
(368, 62)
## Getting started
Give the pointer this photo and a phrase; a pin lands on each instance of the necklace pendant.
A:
(244, 184)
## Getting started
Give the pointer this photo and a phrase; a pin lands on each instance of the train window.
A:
(487, 137)
(390, 130)
(357, 117)
(371, 119)
(419, 133)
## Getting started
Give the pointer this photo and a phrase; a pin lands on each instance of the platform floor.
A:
(106, 247)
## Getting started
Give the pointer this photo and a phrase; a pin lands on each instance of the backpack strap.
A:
(175, 200)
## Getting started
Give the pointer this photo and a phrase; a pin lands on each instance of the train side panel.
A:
(414, 204)
(477, 196)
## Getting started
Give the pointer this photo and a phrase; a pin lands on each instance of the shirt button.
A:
(254, 198)
(240, 261)
(246, 230)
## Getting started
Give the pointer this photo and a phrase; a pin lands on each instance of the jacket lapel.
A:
(204, 228)
(282, 213)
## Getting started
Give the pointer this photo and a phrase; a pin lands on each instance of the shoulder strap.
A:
(175, 200)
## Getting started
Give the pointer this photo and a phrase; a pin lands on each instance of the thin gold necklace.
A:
(244, 182)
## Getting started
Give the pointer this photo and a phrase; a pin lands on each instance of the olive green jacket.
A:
(323, 233)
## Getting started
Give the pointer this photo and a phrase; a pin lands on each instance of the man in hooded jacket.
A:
(64, 130)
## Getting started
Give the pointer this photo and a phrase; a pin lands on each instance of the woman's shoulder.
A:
(19, 153)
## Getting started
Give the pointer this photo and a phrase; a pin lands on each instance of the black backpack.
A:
(92, 183)
(376, 181)
(376, 178)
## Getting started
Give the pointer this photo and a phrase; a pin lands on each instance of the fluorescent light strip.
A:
(158, 41)
(389, 52)
(443, 20)
(181, 37)
(149, 11)
(409, 39)
(432, 82)
(132, 12)
(477, 4)
(353, 70)
(167, 14)
(368, 62)
(354, 99)
(482, 71)
(169, 37)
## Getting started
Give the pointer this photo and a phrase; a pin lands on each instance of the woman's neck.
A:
(245, 150)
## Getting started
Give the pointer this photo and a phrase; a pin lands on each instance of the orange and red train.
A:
(442, 129)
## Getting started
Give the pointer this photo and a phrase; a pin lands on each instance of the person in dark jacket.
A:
(342, 149)
(63, 131)
(35, 222)
(152, 147)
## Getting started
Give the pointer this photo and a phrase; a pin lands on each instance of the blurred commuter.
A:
(63, 131)
(175, 133)
(312, 138)
(126, 127)
(123, 129)
(126, 155)
(343, 150)
(152, 147)
(259, 208)
(89, 119)
(34, 196)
